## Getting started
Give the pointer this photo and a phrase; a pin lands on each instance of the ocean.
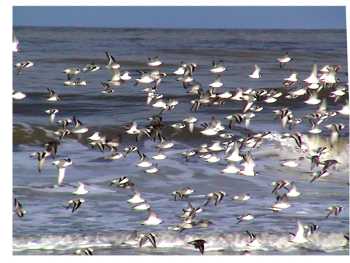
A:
(106, 222)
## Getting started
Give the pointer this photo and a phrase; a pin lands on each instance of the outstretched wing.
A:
(201, 248)
(61, 174)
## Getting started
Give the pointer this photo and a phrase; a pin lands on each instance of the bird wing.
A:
(41, 164)
(69, 76)
(329, 213)
(152, 239)
(61, 174)
(109, 58)
(249, 164)
(115, 74)
(77, 205)
(300, 231)
(52, 148)
(248, 105)
(17, 203)
(113, 59)
(314, 70)
(143, 240)
(201, 248)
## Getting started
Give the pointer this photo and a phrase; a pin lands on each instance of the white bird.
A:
(298, 92)
(209, 131)
(292, 79)
(230, 169)
(190, 122)
(23, 65)
(248, 166)
(152, 220)
(225, 95)
(188, 154)
(256, 74)
(213, 158)
(345, 110)
(247, 118)
(284, 59)
(159, 156)
(335, 128)
(235, 118)
(71, 72)
(315, 127)
(183, 192)
(86, 251)
(238, 96)
(313, 99)
(17, 95)
(81, 189)
(115, 79)
(216, 146)
(187, 79)
(293, 191)
(152, 170)
(141, 206)
(153, 96)
(114, 156)
(329, 78)
(52, 114)
(154, 62)
(217, 68)
(163, 145)
(75, 82)
(178, 125)
(246, 217)
(125, 76)
(212, 128)
(312, 79)
(133, 129)
(136, 198)
(15, 43)
(338, 92)
(143, 161)
(289, 163)
(95, 137)
(242, 197)
(91, 67)
(145, 79)
(61, 166)
(281, 203)
(112, 63)
(205, 156)
(53, 96)
(299, 236)
(270, 100)
(314, 86)
(325, 69)
(160, 104)
(78, 127)
(180, 70)
(217, 83)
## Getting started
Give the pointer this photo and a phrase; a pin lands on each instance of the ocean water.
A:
(106, 222)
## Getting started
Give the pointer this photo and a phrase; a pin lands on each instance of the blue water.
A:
(105, 221)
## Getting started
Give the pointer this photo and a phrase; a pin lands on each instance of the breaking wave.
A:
(235, 242)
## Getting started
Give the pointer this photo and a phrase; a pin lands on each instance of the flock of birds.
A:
(237, 152)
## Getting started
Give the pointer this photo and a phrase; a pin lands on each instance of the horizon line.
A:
(187, 28)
